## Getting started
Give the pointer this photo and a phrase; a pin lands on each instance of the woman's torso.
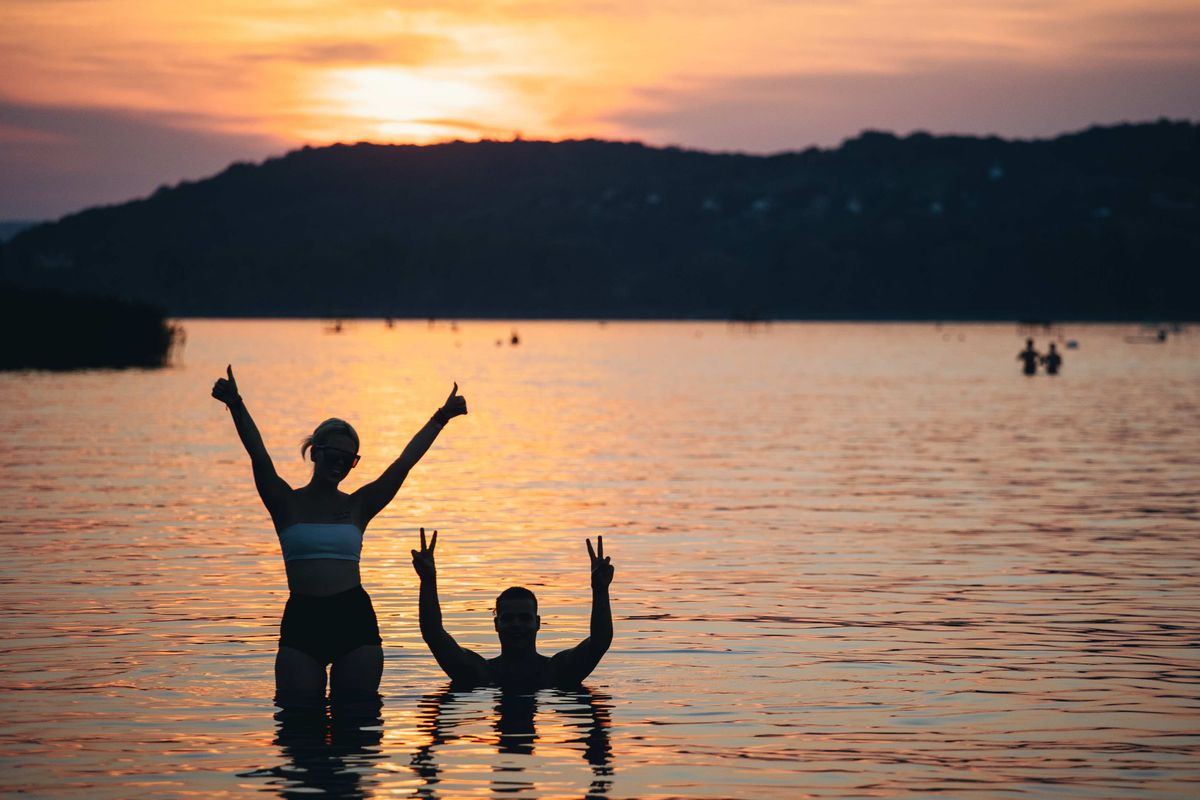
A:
(320, 577)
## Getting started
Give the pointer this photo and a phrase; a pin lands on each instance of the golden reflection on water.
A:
(851, 560)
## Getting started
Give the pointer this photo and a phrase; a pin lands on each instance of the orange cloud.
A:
(352, 70)
(551, 69)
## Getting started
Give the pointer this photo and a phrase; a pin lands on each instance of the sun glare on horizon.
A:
(399, 105)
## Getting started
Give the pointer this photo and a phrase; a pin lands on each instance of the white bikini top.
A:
(305, 540)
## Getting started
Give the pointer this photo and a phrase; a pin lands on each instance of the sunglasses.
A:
(338, 454)
(514, 616)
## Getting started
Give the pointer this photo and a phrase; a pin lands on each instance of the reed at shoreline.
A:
(49, 329)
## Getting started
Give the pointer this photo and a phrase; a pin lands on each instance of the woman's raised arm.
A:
(374, 496)
(273, 489)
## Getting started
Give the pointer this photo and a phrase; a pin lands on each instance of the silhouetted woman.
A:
(328, 619)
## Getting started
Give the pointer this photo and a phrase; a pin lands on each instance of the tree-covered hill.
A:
(1104, 223)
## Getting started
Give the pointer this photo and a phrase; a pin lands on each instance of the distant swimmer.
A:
(1030, 356)
(515, 617)
(1052, 361)
(328, 620)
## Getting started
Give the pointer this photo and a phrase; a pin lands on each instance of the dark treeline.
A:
(1102, 224)
(11, 227)
(47, 329)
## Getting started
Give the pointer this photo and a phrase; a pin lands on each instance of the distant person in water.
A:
(1052, 361)
(519, 665)
(1030, 356)
(329, 619)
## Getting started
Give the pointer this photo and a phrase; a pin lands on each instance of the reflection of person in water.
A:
(519, 664)
(516, 728)
(1052, 361)
(327, 754)
(1030, 356)
(329, 618)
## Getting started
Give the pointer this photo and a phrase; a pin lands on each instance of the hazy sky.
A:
(104, 100)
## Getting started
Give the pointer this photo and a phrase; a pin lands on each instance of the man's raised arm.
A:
(459, 663)
(572, 666)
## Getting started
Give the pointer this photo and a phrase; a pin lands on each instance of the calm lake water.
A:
(852, 561)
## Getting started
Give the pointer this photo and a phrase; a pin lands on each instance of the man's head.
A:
(516, 618)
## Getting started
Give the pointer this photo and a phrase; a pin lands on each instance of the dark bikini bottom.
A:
(328, 628)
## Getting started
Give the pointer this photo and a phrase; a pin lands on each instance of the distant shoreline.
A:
(686, 319)
(69, 331)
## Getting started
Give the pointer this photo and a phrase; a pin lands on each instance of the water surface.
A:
(852, 561)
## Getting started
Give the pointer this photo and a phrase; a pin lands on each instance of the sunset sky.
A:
(104, 100)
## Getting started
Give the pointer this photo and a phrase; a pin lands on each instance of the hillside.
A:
(1101, 224)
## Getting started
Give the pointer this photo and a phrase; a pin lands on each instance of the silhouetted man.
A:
(1052, 361)
(1030, 357)
(519, 665)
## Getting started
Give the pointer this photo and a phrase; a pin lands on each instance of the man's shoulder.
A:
(565, 667)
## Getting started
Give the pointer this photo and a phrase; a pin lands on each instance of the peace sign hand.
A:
(602, 568)
(225, 389)
(455, 405)
(423, 559)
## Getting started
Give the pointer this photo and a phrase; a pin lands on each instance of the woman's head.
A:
(334, 446)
